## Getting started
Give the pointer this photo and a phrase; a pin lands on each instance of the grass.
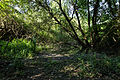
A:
(17, 48)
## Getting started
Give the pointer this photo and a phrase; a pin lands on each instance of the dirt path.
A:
(41, 67)
(46, 65)
(38, 67)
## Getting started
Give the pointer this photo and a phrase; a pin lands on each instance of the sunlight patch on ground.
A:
(35, 76)
(54, 55)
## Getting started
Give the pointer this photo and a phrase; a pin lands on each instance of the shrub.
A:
(17, 48)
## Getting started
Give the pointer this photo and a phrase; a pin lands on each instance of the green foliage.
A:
(17, 48)
(97, 66)
(84, 66)
(65, 22)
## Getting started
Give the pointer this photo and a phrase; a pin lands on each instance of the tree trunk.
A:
(94, 21)
(89, 22)
(71, 26)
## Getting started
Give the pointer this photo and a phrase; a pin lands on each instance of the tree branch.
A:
(47, 8)
(71, 26)
(79, 24)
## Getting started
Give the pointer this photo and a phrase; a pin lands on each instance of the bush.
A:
(17, 48)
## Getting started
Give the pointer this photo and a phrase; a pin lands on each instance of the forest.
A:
(59, 39)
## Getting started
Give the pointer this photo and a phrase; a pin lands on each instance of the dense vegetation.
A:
(59, 39)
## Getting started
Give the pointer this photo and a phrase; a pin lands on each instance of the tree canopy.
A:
(91, 23)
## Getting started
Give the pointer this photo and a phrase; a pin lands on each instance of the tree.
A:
(75, 17)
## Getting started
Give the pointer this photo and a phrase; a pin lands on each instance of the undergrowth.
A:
(17, 48)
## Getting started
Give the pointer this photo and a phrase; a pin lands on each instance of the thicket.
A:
(27, 26)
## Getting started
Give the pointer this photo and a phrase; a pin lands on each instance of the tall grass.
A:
(17, 48)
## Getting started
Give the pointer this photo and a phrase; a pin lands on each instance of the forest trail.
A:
(59, 63)
(53, 66)
(43, 66)
(36, 67)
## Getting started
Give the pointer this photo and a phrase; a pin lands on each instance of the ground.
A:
(40, 67)
(55, 64)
